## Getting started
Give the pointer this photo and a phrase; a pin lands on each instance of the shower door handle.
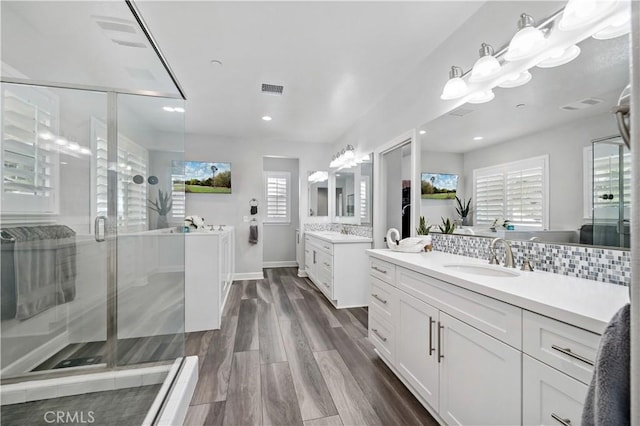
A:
(96, 228)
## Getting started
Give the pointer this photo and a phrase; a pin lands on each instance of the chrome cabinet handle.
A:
(96, 227)
(314, 257)
(440, 345)
(563, 422)
(375, 268)
(375, 330)
(567, 351)
(379, 298)
(326, 264)
(431, 348)
(327, 247)
(325, 284)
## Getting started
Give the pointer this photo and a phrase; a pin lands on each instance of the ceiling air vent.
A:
(272, 89)
(581, 104)
(461, 112)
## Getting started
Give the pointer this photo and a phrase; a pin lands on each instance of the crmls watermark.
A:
(69, 417)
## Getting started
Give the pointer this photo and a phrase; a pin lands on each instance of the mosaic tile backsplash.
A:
(593, 263)
(359, 230)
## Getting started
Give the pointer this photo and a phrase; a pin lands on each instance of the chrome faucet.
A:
(508, 257)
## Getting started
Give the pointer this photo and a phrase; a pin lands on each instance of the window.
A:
(515, 191)
(29, 157)
(365, 199)
(278, 191)
(131, 197)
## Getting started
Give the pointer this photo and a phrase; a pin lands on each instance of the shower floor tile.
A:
(118, 407)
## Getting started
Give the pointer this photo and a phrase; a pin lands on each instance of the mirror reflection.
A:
(543, 161)
(318, 193)
(345, 193)
(366, 191)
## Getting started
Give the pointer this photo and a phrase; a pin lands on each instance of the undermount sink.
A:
(488, 271)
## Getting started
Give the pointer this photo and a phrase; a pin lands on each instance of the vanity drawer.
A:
(549, 396)
(383, 298)
(324, 282)
(563, 346)
(383, 270)
(381, 334)
(496, 318)
(325, 262)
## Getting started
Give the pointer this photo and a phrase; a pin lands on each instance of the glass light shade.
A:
(579, 13)
(515, 80)
(485, 68)
(559, 57)
(526, 43)
(619, 25)
(349, 154)
(455, 88)
(481, 97)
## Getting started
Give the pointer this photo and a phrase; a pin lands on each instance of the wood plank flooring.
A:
(285, 356)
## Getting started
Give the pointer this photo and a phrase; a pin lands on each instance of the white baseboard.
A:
(280, 264)
(37, 356)
(240, 276)
(302, 273)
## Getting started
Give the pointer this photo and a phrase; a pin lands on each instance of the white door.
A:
(480, 377)
(417, 355)
(549, 396)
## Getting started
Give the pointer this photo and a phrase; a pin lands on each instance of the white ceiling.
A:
(336, 60)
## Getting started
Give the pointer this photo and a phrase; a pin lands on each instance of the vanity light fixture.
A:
(318, 176)
(266, 118)
(344, 158)
(481, 97)
(527, 42)
(486, 67)
(579, 13)
(456, 87)
(559, 57)
(515, 80)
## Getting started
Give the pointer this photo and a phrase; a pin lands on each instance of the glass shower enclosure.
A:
(92, 260)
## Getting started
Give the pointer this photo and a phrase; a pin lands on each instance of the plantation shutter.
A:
(178, 197)
(365, 201)
(29, 156)
(131, 197)
(514, 191)
(489, 197)
(277, 194)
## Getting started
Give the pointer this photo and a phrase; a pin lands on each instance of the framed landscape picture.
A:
(202, 177)
(439, 186)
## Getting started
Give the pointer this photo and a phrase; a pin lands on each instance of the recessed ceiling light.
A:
(478, 138)
(168, 109)
(266, 118)
(178, 109)
(422, 132)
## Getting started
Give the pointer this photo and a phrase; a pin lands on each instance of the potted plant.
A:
(463, 209)
(162, 206)
(447, 226)
(423, 229)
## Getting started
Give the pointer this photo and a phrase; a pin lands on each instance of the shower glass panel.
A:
(150, 215)
(611, 193)
(54, 267)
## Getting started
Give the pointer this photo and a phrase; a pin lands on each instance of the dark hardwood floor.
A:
(285, 356)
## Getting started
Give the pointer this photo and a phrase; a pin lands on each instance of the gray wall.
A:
(280, 239)
(246, 158)
(565, 146)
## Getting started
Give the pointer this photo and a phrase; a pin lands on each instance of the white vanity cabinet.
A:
(209, 264)
(335, 263)
(466, 375)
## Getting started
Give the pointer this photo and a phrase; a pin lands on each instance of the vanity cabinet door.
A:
(549, 396)
(480, 377)
(416, 347)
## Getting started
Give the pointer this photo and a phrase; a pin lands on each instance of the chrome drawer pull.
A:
(440, 343)
(431, 348)
(327, 247)
(375, 268)
(375, 330)
(378, 297)
(326, 264)
(567, 351)
(325, 284)
(563, 422)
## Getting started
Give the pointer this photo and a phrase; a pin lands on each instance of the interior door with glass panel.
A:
(54, 252)
(611, 166)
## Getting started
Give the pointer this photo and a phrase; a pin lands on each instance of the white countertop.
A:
(584, 303)
(338, 238)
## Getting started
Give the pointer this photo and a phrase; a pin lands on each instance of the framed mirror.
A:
(541, 156)
(318, 193)
(344, 193)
